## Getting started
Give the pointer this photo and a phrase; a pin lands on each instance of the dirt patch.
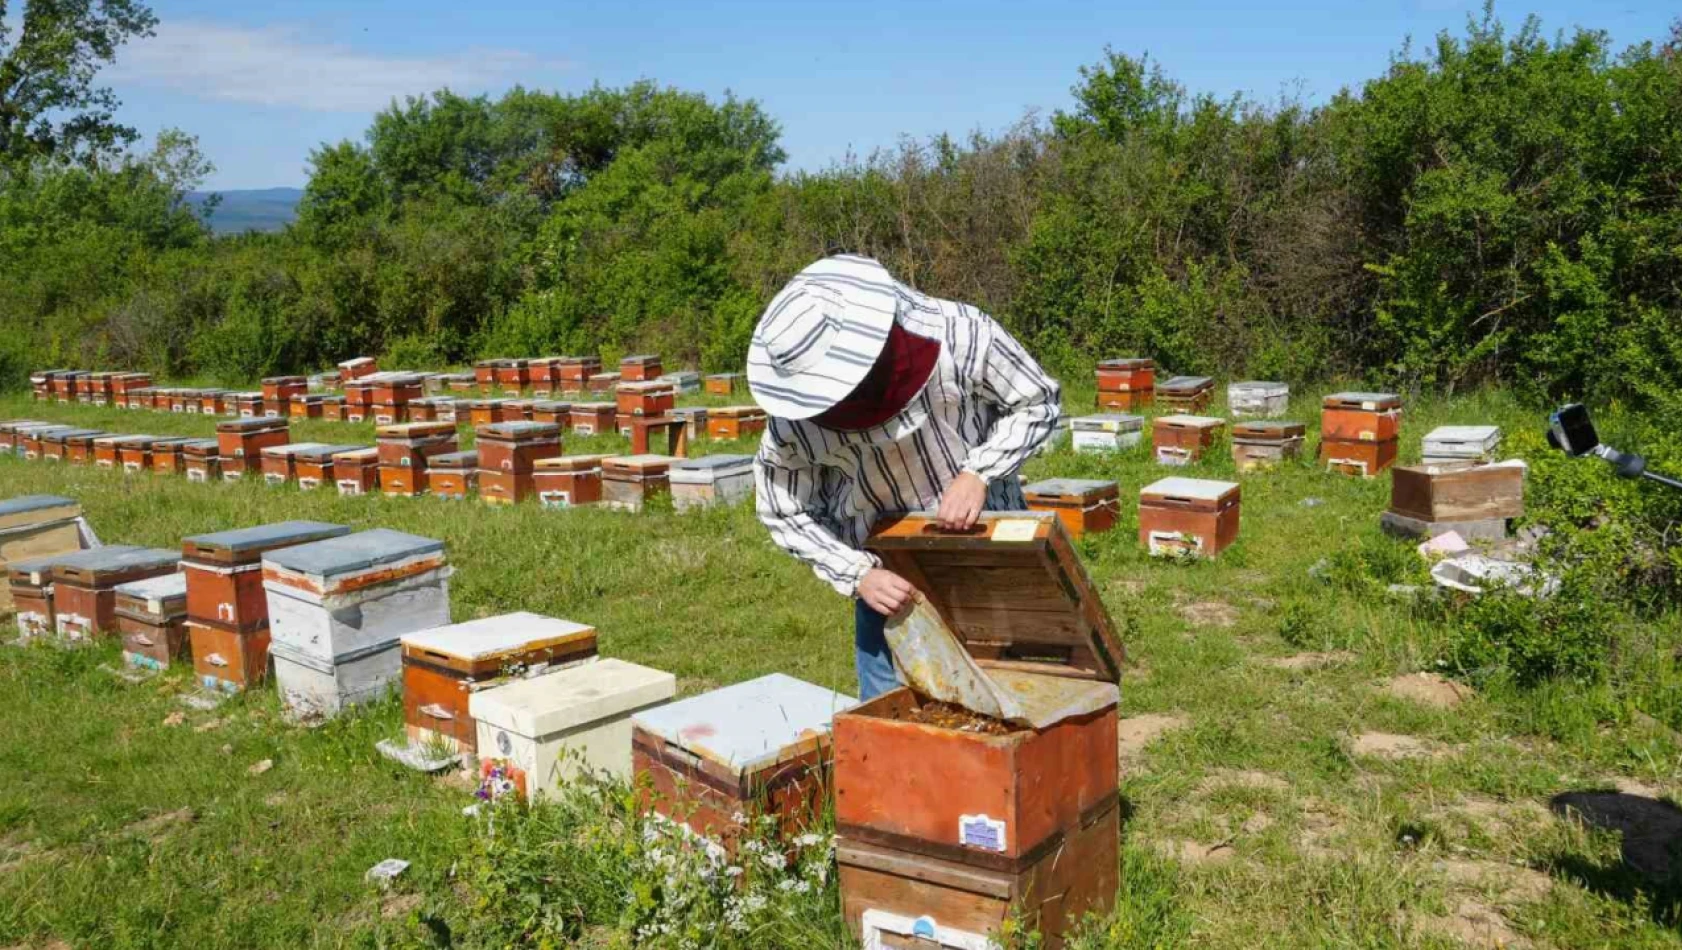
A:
(1497, 817)
(1233, 778)
(1256, 823)
(1210, 613)
(157, 826)
(276, 800)
(1385, 745)
(1507, 883)
(1194, 852)
(462, 780)
(210, 725)
(1309, 661)
(400, 906)
(1137, 732)
(1319, 825)
(1428, 689)
(1127, 587)
(1651, 829)
(1475, 925)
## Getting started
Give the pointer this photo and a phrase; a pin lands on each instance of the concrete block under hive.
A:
(726, 384)
(1085, 506)
(169, 456)
(1106, 432)
(1473, 499)
(240, 443)
(643, 367)
(1188, 394)
(567, 481)
(35, 526)
(453, 476)
(1258, 399)
(1449, 444)
(152, 619)
(1182, 440)
(735, 422)
(201, 460)
(575, 372)
(85, 591)
(553, 728)
(651, 398)
(629, 481)
(1257, 446)
(759, 747)
(711, 480)
(338, 610)
(313, 465)
(508, 453)
(1181, 517)
(357, 472)
(604, 382)
(444, 666)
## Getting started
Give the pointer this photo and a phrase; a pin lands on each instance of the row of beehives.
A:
(1130, 383)
(513, 461)
(946, 822)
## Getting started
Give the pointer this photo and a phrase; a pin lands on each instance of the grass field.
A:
(1281, 789)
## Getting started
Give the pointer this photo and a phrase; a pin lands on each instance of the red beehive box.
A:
(604, 382)
(1181, 440)
(313, 464)
(152, 619)
(134, 453)
(575, 372)
(423, 410)
(33, 439)
(307, 406)
(359, 400)
(1358, 457)
(241, 443)
(515, 410)
(392, 394)
(484, 412)
(99, 389)
(281, 388)
(725, 384)
(1188, 516)
(1126, 375)
(646, 398)
(629, 481)
(402, 482)
(1085, 506)
(1361, 417)
(453, 476)
(735, 422)
(213, 402)
(594, 418)
(249, 405)
(553, 413)
(508, 451)
(105, 449)
(512, 376)
(357, 368)
(357, 472)
(568, 481)
(225, 571)
(202, 461)
(545, 375)
(926, 797)
(280, 462)
(84, 387)
(78, 446)
(459, 382)
(168, 456)
(181, 399)
(85, 592)
(64, 385)
(53, 445)
(642, 368)
(484, 375)
(333, 408)
(410, 445)
(41, 384)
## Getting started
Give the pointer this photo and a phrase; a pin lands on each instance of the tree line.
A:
(1497, 205)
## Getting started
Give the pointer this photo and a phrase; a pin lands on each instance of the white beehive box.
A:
(711, 480)
(338, 609)
(1258, 399)
(1462, 444)
(686, 381)
(1107, 432)
(554, 727)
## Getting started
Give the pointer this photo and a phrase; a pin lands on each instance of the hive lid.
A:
(605, 377)
(356, 362)
(1480, 435)
(164, 587)
(38, 570)
(414, 430)
(725, 376)
(491, 637)
(252, 424)
(65, 435)
(195, 446)
(279, 380)
(359, 454)
(397, 379)
(1084, 489)
(15, 424)
(551, 405)
(293, 449)
(468, 459)
(519, 430)
(322, 452)
(1190, 422)
(748, 725)
(1129, 362)
(173, 442)
(1259, 388)
(103, 563)
(486, 403)
(248, 544)
(712, 463)
(594, 407)
(570, 463)
(570, 698)
(1108, 422)
(30, 504)
(732, 412)
(1177, 488)
(352, 552)
(648, 386)
(1367, 402)
(641, 464)
(1267, 429)
(578, 360)
(1012, 590)
(1190, 384)
(640, 359)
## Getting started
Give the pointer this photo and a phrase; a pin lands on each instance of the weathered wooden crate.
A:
(1182, 439)
(453, 476)
(152, 619)
(1189, 394)
(735, 422)
(710, 480)
(759, 747)
(647, 398)
(85, 591)
(639, 368)
(444, 666)
(37, 526)
(1449, 444)
(338, 609)
(1189, 516)
(629, 481)
(1085, 506)
(1260, 445)
(1461, 491)
(594, 418)
(313, 464)
(1258, 399)
(1358, 457)
(240, 443)
(1106, 432)
(1361, 417)
(568, 723)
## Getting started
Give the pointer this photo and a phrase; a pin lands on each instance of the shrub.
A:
(1507, 635)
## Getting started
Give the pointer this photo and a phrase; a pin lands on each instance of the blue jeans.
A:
(875, 662)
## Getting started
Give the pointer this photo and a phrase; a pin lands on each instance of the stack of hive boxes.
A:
(227, 611)
(359, 400)
(357, 368)
(948, 822)
(575, 372)
(725, 384)
(1257, 446)
(35, 526)
(508, 453)
(30, 586)
(1126, 384)
(152, 618)
(240, 443)
(405, 450)
(512, 376)
(85, 591)
(393, 392)
(594, 418)
(1084, 505)
(338, 610)
(1359, 432)
(641, 368)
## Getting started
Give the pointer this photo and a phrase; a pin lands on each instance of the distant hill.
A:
(260, 209)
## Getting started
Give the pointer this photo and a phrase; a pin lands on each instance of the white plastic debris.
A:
(1450, 544)
(386, 871)
(417, 757)
(1475, 573)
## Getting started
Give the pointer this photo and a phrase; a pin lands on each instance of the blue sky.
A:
(263, 84)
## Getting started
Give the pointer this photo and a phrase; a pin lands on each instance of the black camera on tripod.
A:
(1572, 431)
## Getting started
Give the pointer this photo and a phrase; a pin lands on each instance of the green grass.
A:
(1322, 846)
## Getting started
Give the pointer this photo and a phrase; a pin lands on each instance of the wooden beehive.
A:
(1106, 432)
(169, 456)
(35, 526)
(85, 591)
(313, 465)
(1188, 516)
(484, 412)
(725, 384)
(248, 405)
(1358, 457)
(201, 460)
(411, 445)
(1258, 399)
(359, 400)
(735, 422)
(307, 406)
(34, 439)
(30, 585)
(357, 472)
(281, 389)
(651, 398)
(280, 462)
(512, 376)
(393, 392)
(152, 619)
(453, 476)
(225, 573)
(443, 666)
(484, 375)
(567, 481)
(640, 368)
(508, 453)
(575, 372)
(515, 410)
(545, 373)
(553, 413)
(604, 382)
(686, 382)
(1458, 491)
(240, 443)
(1361, 417)
(710, 480)
(1449, 444)
(629, 481)
(1188, 394)
(594, 418)
(213, 402)
(1181, 439)
(1130, 374)
(1257, 446)
(1085, 506)
(759, 747)
(402, 482)
(78, 446)
(357, 367)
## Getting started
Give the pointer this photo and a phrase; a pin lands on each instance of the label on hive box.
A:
(1168, 455)
(880, 930)
(1016, 530)
(555, 499)
(982, 832)
(350, 486)
(1174, 544)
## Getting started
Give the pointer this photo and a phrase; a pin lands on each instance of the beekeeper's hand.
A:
(961, 505)
(886, 592)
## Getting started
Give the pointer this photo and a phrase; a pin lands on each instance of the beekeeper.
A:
(883, 401)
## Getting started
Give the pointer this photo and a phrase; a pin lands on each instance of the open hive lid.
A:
(415, 430)
(1012, 590)
(526, 431)
(1364, 402)
(1071, 489)
(1200, 494)
(748, 726)
(389, 552)
(570, 463)
(1108, 422)
(571, 698)
(248, 545)
(104, 566)
(250, 425)
(709, 468)
(1190, 422)
(638, 464)
(1267, 430)
(321, 452)
(164, 594)
(38, 571)
(31, 510)
(1185, 384)
(468, 459)
(492, 638)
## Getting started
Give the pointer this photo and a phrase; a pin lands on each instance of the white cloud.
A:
(280, 66)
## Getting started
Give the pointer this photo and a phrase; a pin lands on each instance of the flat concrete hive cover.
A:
(1191, 422)
(28, 503)
(1069, 487)
(1198, 489)
(571, 698)
(36, 569)
(712, 463)
(491, 636)
(265, 536)
(1186, 382)
(295, 448)
(111, 560)
(1108, 422)
(747, 725)
(162, 587)
(1478, 434)
(353, 552)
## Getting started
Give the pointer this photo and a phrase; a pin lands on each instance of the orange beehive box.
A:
(78, 446)
(594, 418)
(1126, 375)
(453, 476)
(646, 398)
(484, 375)
(402, 482)
(508, 452)
(169, 456)
(357, 472)
(359, 400)
(1085, 506)
(1181, 440)
(735, 422)
(225, 571)
(566, 481)
(515, 410)
(248, 405)
(392, 394)
(410, 445)
(1188, 516)
(241, 443)
(279, 463)
(227, 661)
(725, 384)
(552, 412)
(357, 368)
(313, 465)
(134, 452)
(202, 461)
(1361, 417)
(512, 376)
(1362, 458)
(213, 402)
(307, 406)
(333, 408)
(575, 372)
(604, 382)
(544, 374)
(85, 588)
(106, 451)
(279, 389)
(484, 412)
(641, 368)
